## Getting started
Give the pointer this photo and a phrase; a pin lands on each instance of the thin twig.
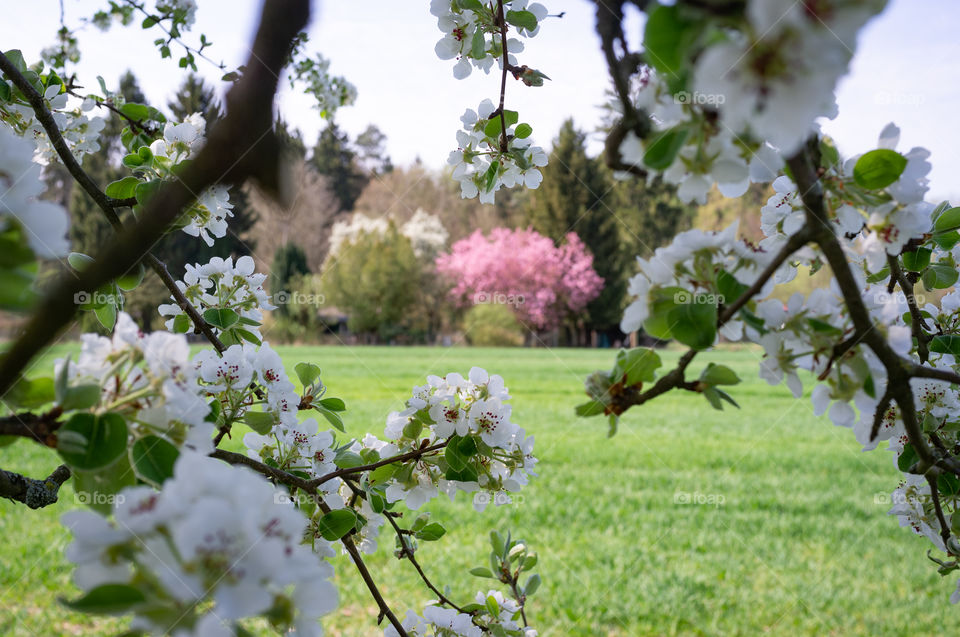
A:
(408, 553)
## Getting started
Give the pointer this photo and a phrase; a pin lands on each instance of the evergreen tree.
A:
(372, 152)
(333, 156)
(288, 262)
(575, 197)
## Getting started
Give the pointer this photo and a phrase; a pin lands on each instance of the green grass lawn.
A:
(794, 539)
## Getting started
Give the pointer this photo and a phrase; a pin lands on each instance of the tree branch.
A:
(241, 145)
(917, 325)
(40, 428)
(34, 493)
(410, 455)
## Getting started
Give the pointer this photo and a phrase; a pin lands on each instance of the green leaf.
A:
(260, 421)
(147, 189)
(939, 276)
(947, 221)
(667, 37)
(89, 442)
(663, 149)
(715, 374)
(153, 458)
(492, 127)
(523, 131)
(380, 475)
(662, 301)
(221, 317)
(713, 397)
(148, 22)
(246, 335)
(946, 344)
(729, 288)
(332, 417)
(452, 454)
(467, 447)
(823, 327)
(510, 117)
(107, 314)
(523, 19)
(694, 324)
(132, 279)
(334, 404)
(907, 458)
(431, 532)
(181, 324)
(879, 168)
(31, 393)
(334, 525)
(481, 572)
(591, 408)
(4, 91)
(16, 58)
(94, 488)
(307, 373)
(80, 397)
(478, 45)
(136, 112)
(533, 583)
(79, 261)
(639, 365)
(123, 188)
(107, 599)
(347, 459)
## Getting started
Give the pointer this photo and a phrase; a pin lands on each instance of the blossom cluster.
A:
(243, 376)
(220, 285)
(80, 130)
(472, 36)
(483, 165)
(752, 95)
(215, 545)
(875, 203)
(148, 379)
(207, 216)
(498, 615)
(703, 154)
(42, 224)
(484, 450)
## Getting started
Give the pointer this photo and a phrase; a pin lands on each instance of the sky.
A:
(905, 71)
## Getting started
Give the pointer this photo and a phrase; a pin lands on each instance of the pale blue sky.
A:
(906, 71)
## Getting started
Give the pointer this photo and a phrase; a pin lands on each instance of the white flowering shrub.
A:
(186, 538)
(729, 100)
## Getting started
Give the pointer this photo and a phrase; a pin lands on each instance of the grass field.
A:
(789, 537)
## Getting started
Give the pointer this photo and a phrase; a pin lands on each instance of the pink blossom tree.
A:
(542, 282)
